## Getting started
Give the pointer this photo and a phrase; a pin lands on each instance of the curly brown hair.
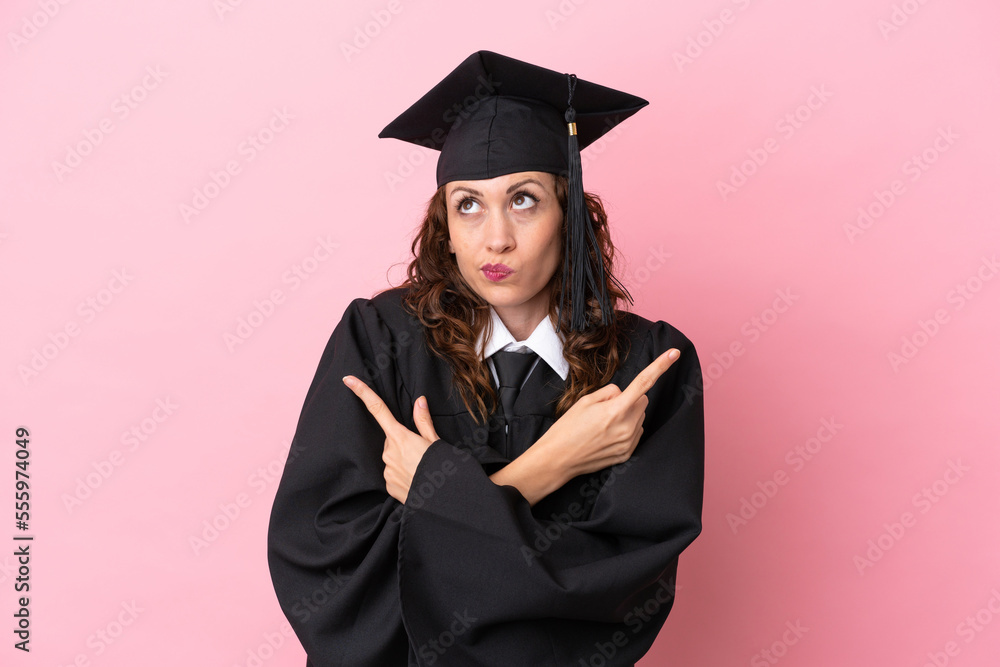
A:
(454, 315)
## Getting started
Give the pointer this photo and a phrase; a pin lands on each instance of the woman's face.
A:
(505, 233)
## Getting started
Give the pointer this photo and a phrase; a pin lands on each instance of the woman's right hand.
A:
(603, 427)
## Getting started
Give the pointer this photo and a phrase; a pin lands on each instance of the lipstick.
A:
(496, 272)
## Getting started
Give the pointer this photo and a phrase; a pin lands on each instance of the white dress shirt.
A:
(544, 341)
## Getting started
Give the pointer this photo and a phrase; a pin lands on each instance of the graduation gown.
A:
(466, 572)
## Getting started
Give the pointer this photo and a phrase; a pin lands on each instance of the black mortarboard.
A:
(495, 115)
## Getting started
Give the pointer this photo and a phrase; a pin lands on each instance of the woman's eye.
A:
(523, 201)
(468, 206)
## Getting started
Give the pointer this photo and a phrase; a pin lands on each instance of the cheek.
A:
(552, 255)
(553, 242)
(459, 245)
(456, 243)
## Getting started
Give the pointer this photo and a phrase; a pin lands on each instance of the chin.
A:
(496, 299)
(498, 295)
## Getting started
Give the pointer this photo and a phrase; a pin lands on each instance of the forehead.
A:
(501, 184)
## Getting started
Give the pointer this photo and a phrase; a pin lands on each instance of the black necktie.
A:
(512, 368)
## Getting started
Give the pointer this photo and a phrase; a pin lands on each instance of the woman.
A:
(469, 484)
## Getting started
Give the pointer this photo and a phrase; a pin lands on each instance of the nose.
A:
(499, 233)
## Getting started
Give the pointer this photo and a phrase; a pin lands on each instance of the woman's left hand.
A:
(403, 448)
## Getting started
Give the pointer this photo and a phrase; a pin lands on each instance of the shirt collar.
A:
(544, 341)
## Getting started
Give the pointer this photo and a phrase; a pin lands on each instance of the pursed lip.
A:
(497, 268)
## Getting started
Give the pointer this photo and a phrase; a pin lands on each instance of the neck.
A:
(520, 325)
(522, 319)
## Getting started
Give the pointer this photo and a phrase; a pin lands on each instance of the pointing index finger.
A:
(648, 376)
(376, 406)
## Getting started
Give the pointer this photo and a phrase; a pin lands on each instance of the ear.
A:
(451, 248)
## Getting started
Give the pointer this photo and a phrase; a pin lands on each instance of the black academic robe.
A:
(466, 572)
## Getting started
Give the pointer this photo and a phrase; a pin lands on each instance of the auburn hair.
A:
(454, 315)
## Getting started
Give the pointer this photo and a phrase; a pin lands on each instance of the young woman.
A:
(494, 464)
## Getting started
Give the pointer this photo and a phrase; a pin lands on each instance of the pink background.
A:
(874, 547)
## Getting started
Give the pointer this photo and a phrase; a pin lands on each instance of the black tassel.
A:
(586, 277)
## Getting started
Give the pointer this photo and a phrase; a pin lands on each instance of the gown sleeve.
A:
(333, 532)
(484, 580)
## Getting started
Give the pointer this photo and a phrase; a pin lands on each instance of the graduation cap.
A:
(494, 115)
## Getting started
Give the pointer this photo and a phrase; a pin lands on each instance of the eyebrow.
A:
(509, 190)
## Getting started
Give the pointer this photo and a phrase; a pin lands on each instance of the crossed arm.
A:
(599, 430)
